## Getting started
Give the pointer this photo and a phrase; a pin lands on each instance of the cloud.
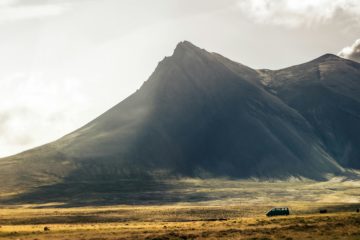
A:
(295, 13)
(11, 134)
(11, 10)
(351, 52)
(37, 110)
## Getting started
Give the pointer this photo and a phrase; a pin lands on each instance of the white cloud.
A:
(295, 13)
(11, 10)
(36, 110)
(351, 52)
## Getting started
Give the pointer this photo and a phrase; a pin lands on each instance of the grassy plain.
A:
(231, 210)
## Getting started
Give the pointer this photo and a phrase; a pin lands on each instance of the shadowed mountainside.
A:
(202, 115)
(326, 92)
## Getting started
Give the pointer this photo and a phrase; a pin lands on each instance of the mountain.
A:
(326, 92)
(203, 115)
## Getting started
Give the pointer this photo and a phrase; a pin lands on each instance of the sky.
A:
(64, 62)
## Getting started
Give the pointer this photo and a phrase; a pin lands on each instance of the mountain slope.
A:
(198, 115)
(326, 91)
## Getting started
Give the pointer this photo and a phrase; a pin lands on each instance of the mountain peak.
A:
(328, 57)
(186, 47)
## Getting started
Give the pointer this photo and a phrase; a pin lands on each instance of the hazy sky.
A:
(64, 62)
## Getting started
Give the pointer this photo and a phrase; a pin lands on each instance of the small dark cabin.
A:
(278, 212)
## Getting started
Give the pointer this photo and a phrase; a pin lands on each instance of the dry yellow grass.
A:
(235, 211)
(173, 222)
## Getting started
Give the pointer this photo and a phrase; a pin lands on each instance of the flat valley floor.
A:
(236, 210)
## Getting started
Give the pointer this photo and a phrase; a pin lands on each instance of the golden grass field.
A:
(239, 216)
